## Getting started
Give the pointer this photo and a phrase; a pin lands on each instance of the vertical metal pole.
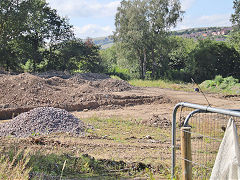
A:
(174, 140)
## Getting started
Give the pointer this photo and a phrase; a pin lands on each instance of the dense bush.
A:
(222, 84)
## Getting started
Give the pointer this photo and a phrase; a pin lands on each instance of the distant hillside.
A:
(216, 33)
(104, 42)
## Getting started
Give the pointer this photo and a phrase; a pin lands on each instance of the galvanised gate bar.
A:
(202, 129)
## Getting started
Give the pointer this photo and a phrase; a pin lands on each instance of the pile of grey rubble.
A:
(42, 120)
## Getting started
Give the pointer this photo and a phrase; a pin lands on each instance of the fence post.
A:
(186, 153)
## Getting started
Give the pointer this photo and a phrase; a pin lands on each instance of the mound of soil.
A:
(43, 120)
(27, 90)
(158, 121)
(23, 92)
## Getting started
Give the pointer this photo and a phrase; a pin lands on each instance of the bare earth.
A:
(147, 110)
(105, 98)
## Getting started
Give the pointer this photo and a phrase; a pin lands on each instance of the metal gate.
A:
(204, 127)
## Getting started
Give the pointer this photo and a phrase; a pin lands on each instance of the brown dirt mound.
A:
(158, 121)
(23, 92)
(26, 90)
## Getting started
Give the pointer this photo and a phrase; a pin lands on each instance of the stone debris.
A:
(42, 121)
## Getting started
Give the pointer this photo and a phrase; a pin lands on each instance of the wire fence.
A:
(207, 131)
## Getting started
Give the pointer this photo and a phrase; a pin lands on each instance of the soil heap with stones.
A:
(23, 92)
(55, 90)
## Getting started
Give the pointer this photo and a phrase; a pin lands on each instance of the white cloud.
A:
(204, 21)
(93, 30)
(215, 20)
(85, 8)
(186, 4)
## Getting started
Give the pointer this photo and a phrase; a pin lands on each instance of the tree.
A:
(27, 27)
(163, 14)
(119, 60)
(211, 58)
(142, 25)
(234, 40)
(131, 29)
(109, 57)
(235, 18)
(77, 55)
(180, 48)
(12, 17)
(43, 26)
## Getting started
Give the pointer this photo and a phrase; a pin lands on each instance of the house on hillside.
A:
(223, 31)
(226, 31)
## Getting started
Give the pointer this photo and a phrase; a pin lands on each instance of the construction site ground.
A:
(125, 123)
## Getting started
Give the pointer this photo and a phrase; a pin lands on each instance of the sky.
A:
(95, 18)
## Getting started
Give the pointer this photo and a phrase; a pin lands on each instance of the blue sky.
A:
(95, 18)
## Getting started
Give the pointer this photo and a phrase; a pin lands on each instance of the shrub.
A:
(120, 72)
(218, 80)
(219, 83)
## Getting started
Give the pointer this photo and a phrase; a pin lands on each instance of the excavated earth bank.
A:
(23, 92)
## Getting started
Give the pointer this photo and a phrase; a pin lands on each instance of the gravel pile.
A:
(42, 120)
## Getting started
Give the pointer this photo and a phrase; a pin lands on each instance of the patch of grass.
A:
(228, 85)
(83, 166)
(14, 165)
(120, 129)
(162, 84)
(20, 164)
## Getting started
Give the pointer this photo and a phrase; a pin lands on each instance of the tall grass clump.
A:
(23, 164)
(14, 166)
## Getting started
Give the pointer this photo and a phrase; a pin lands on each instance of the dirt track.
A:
(147, 110)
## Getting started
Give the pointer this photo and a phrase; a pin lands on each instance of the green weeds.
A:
(228, 85)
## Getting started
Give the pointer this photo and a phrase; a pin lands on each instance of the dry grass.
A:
(163, 84)
(15, 167)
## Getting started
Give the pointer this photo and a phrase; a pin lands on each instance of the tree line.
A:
(145, 48)
(33, 37)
